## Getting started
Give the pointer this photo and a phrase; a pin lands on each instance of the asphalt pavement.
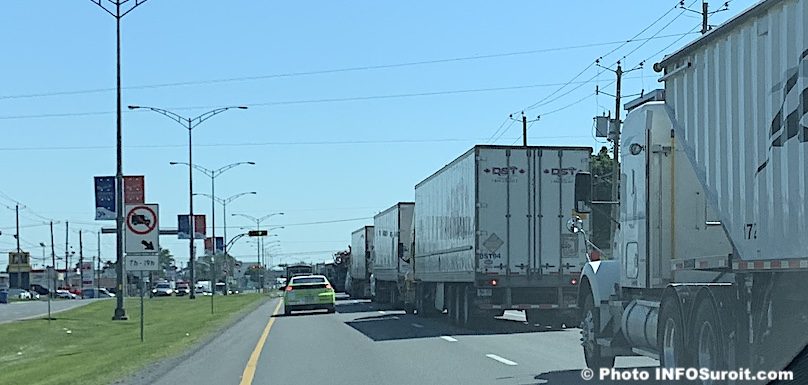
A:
(365, 344)
(16, 311)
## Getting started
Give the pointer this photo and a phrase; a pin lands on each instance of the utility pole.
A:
(614, 136)
(524, 129)
(53, 261)
(616, 141)
(705, 13)
(67, 254)
(81, 265)
(524, 126)
(17, 211)
(98, 266)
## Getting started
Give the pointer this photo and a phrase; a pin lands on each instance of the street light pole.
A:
(258, 251)
(120, 312)
(190, 123)
(224, 203)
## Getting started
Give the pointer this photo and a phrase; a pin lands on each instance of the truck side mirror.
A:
(583, 192)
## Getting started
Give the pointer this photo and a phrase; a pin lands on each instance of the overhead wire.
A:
(315, 72)
(497, 131)
(544, 100)
(300, 101)
(659, 31)
(505, 130)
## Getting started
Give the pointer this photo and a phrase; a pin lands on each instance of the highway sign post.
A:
(142, 263)
(142, 243)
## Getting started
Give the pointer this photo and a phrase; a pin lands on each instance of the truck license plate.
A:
(483, 292)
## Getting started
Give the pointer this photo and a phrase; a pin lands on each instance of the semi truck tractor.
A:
(392, 279)
(357, 283)
(490, 235)
(710, 264)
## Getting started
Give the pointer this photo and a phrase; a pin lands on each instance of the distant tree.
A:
(165, 260)
(601, 167)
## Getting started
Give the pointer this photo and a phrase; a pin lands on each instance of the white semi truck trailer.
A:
(357, 281)
(710, 264)
(392, 278)
(490, 235)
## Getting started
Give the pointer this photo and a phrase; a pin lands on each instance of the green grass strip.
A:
(84, 346)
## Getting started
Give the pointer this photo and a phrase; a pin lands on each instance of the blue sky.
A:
(318, 159)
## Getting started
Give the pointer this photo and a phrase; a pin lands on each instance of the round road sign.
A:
(140, 216)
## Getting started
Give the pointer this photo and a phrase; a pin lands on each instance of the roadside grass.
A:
(84, 346)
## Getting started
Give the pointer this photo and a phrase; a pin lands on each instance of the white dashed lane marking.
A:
(417, 325)
(447, 338)
(502, 360)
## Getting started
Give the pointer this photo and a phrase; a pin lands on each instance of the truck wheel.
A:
(671, 336)
(449, 304)
(709, 338)
(470, 315)
(594, 357)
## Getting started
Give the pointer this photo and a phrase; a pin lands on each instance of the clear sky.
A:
(330, 146)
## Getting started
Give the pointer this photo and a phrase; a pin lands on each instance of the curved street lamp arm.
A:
(201, 169)
(215, 198)
(221, 170)
(193, 122)
(171, 115)
(234, 197)
(236, 238)
(250, 217)
(265, 217)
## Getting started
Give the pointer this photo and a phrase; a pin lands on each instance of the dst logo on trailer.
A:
(561, 171)
(504, 170)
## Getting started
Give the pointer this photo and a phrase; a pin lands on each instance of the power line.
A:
(544, 100)
(307, 101)
(325, 222)
(266, 144)
(319, 72)
(504, 131)
(498, 128)
(665, 49)
(660, 30)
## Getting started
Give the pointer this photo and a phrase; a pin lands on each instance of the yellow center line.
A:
(249, 370)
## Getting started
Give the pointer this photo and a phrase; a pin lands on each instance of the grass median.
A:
(83, 345)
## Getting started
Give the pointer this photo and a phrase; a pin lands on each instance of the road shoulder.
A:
(206, 354)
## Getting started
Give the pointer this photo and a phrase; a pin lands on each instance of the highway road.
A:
(363, 344)
(32, 309)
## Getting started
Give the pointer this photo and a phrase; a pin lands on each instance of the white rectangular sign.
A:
(141, 224)
(142, 262)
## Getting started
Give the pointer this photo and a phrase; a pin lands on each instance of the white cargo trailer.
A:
(710, 262)
(490, 234)
(357, 282)
(391, 281)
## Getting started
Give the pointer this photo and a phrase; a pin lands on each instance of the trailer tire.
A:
(469, 314)
(673, 352)
(593, 354)
(708, 337)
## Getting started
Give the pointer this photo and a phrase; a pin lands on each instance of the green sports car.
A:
(308, 292)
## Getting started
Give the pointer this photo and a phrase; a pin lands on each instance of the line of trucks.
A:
(709, 264)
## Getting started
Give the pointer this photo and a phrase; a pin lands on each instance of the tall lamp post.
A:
(224, 202)
(190, 124)
(120, 312)
(258, 227)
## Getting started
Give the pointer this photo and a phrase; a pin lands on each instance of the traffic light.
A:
(257, 233)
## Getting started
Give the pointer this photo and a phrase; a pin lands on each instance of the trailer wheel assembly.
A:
(708, 337)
